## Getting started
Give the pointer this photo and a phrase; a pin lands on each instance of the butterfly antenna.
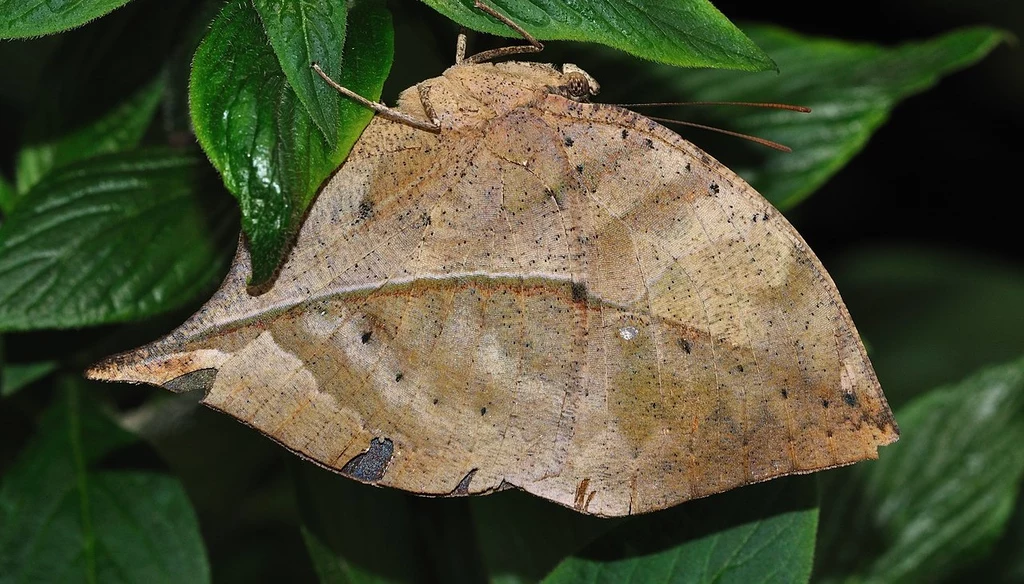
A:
(755, 139)
(778, 106)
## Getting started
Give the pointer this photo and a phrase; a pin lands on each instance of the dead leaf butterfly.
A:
(507, 286)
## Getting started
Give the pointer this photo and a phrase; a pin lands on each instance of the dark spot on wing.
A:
(685, 345)
(462, 489)
(371, 465)
(579, 292)
(850, 399)
(193, 380)
(365, 210)
(365, 338)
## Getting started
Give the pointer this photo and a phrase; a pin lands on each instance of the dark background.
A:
(945, 168)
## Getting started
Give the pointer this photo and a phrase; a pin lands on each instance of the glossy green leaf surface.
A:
(686, 33)
(302, 33)
(939, 498)
(29, 18)
(256, 131)
(112, 238)
(64, 520)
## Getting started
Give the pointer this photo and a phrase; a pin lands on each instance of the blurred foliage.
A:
(108, 214)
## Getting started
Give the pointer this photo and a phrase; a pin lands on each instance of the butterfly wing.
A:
(745, 364)
(571, 300)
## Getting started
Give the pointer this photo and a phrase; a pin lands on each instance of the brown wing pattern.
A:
(571, 300)
(761, 369)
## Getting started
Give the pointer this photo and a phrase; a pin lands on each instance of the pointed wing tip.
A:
(113, 368)
(99, 372)
(178, 372)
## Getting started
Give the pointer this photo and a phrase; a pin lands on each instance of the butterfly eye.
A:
(576, 86)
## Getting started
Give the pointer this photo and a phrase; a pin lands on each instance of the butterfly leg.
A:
(385, 111)
(535, 45)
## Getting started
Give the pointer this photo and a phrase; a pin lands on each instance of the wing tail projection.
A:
(172, 361)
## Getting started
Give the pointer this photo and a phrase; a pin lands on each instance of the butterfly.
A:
(508, 286)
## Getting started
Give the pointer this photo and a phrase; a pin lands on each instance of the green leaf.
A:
(761, 533)
(938, 499)
(120, 129)
(251, 124)
(98, 89)
(686, 33)
(15, 376)
(931, 314)
(850, 87)
(110, 239)
(29, 18)
(64, 520)
(302, 33)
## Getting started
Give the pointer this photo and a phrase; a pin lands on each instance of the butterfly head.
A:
(470, 94)
(576, 84)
